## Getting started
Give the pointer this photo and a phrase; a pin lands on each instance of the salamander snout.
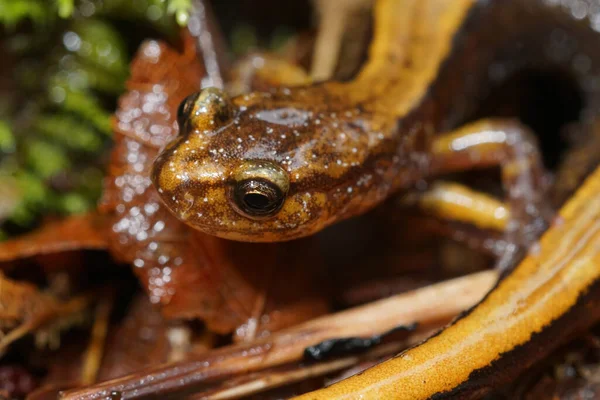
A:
(188, 173)
(236, 171)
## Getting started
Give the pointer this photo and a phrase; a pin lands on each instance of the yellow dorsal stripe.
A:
(412, 40)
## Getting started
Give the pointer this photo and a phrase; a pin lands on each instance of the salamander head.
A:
(250, 169)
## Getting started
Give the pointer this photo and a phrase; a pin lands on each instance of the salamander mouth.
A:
(258, 231)
(259, 236)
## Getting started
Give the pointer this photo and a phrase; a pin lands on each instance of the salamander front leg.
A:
(511, 146)
(467, 216)
(453, 201)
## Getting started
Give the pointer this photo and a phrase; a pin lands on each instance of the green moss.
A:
(181, 9)
(72, 66)
(97, 43)
(45, 159)
(69, 132)
(42, 12)
(14, 11)
(74, 203)
(81, 103)
(34, 195)
(65, 8)
(7, 139)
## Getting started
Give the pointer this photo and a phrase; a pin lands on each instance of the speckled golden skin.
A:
(348, 146)
(339, 143)
(323, 155)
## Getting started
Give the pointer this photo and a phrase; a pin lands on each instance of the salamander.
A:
(286, 163)
(282, 164)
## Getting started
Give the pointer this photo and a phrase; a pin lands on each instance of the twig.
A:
(426, 306)
(270, 379)
(95, 350)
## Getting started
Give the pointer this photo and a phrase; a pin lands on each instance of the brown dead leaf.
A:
(24, 309)
(74, 233)
(258, 288)
(139, 341)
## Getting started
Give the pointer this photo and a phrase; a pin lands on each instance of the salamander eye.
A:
(259, 189)
(257, 197)
(205, 110)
